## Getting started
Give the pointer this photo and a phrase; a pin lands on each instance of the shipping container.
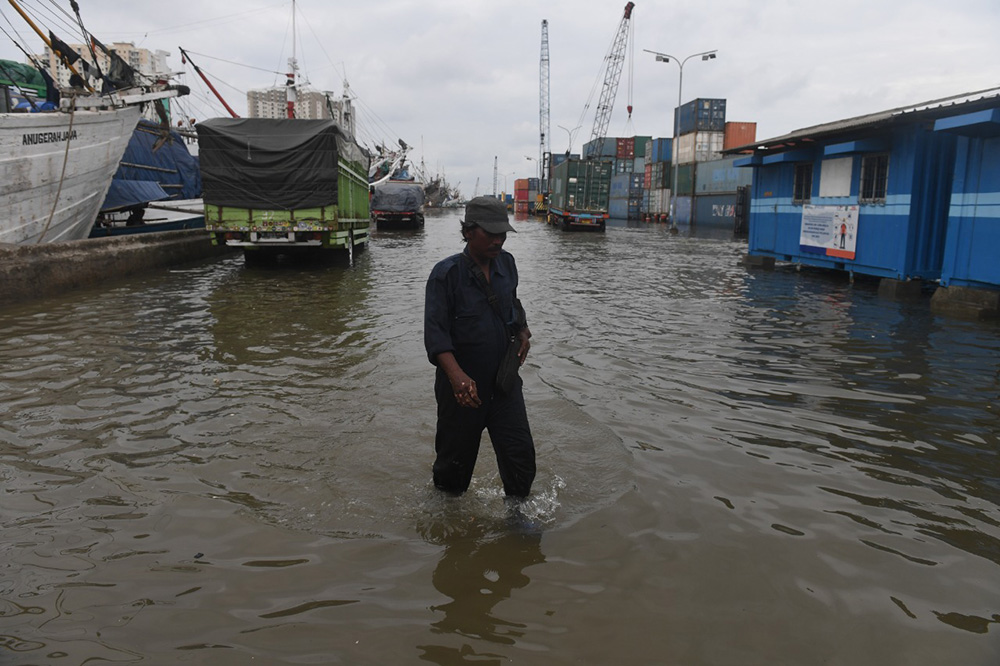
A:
(685, 175)
(715, 210)
(533, 184)
(623, 166)
(659, 150)
(602, 147)
(521, 184)
(659, 175)
(701, 115)
(625, 148)
(641, 145)
(626, 186)
(639, 165)
(624, 209)
(647, 176)
(739, 134)
(682, 210)
(659, 201)
(698, 147)
(720, 176)
(580, 193)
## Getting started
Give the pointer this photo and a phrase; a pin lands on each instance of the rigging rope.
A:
(62, 176)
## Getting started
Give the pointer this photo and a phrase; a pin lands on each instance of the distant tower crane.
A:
(613, 63)
(543, 111)
(494, 176)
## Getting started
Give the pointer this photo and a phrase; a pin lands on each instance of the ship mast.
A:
(293, 66)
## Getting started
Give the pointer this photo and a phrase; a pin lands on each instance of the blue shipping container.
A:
(701, 115)
(683, 209)
(624, 209)
(626, 185)
(602, 146)
(660, 150)
(715, 210)
(720, 176)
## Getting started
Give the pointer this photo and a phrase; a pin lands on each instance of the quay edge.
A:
(29, 272)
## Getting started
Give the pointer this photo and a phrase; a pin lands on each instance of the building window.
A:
(874, 177)
(802, 189)
(835, 177)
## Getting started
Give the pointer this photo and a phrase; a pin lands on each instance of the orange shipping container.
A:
(739, 134)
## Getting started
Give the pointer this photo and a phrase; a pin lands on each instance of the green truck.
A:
(578, 194)
(283, 186)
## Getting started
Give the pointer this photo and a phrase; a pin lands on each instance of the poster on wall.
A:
(829, 230)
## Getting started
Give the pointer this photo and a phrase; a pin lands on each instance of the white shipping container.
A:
(659, 201)
(698, 147)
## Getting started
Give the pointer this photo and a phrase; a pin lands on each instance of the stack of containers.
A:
(625, 201)
(628, 157)
(534, 187)
(701, 125)
(525, 195)
(717, 182)
(628, 176)
(522, 197)
(656, 180)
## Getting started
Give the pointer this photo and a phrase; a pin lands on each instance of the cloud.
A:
(459, 80)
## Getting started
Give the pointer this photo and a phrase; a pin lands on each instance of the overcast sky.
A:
(459, 79)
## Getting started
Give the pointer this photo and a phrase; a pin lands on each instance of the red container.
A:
(647, 176)
(625, 148)
(739, 134)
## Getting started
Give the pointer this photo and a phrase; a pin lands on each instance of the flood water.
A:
(221, 465)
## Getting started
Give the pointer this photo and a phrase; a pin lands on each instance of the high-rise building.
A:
(144, 61)
(310, 104)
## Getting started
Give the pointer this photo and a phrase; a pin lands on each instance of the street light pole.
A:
(569, 149)
(663, 57)
(538, 173)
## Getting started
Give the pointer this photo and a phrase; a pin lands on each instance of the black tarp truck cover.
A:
(272, 164)
(398, 197)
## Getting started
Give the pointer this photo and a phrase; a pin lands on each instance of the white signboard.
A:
(829, 230)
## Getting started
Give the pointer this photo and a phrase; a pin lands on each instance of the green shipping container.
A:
(581, 186)
(640, 145)
(685, 179)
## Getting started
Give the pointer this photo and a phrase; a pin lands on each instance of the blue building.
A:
(909, 195)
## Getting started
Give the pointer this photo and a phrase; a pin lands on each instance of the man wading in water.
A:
(467, 335)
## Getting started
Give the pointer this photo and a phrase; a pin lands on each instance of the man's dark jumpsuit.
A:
(458, 318)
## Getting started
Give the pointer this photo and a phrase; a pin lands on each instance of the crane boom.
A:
(543, 109)
(613, 64)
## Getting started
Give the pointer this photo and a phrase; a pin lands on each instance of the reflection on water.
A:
(235, 463)
(479, 569)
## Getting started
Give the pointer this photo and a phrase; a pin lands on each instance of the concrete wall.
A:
(30, 272)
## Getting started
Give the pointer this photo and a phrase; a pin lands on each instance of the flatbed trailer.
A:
(570, 220)
(579, 194)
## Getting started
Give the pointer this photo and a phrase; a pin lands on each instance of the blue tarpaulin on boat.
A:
(127, 193)
(161, 157)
